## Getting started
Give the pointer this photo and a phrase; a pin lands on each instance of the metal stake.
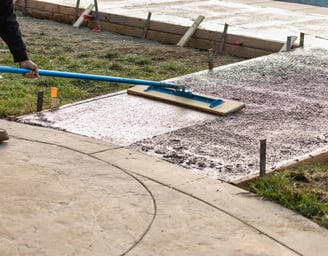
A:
(24, 7)
(301, 39)
(76, 14)
(147, 26)
(39, 101)
(210, 60)
(223, 37)
(97, 15)
(289, 43)
(262, 157)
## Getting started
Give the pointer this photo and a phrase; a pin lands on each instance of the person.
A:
(12, 36)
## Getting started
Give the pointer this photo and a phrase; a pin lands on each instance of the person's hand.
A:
(32, 66)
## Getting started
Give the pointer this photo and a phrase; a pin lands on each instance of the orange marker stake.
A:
(53, 92)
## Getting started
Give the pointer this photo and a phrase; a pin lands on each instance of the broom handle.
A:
(114, 79)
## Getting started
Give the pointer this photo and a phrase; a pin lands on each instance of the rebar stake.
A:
(289, 43)
(39, 101)
(223, 38)
(210, 60)
(262, 157)
(146, 26)
(302, 39)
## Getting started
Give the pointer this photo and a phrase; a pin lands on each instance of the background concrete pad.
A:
(271, 19)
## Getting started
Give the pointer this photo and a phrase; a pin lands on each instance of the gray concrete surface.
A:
(118, 118)
(64, 194)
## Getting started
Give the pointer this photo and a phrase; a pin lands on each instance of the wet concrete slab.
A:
(118, 118)
(285, 96)
(286, 104)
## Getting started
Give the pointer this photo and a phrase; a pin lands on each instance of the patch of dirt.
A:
(311, 180)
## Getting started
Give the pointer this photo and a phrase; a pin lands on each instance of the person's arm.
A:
(11, 34)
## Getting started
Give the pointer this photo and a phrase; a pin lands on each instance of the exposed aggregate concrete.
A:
(286, 103)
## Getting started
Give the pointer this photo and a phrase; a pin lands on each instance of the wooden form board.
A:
(81, 18)
(190, 31)
(171, 33)
(318, 158)
(158, 31)
(227, 107)
(286, 47)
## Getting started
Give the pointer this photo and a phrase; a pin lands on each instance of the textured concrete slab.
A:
(60, 200)
(56, 201)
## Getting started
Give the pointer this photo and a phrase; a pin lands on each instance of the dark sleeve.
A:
(10, 32)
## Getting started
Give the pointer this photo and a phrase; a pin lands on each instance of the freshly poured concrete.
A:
(119, 118)
(285, 96)
(286, 103)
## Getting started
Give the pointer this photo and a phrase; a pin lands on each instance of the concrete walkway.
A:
(64, 194)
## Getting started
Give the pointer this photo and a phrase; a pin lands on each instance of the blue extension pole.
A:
(42, 72)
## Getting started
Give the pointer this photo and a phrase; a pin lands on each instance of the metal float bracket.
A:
(186, 94)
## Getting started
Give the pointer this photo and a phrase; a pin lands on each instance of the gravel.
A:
(286, 104)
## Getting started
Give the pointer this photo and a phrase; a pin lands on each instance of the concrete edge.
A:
(45, 135)
(319, 156)
(270, 219)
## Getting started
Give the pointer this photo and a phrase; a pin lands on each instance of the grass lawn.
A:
(303, 190)
(60, 47)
